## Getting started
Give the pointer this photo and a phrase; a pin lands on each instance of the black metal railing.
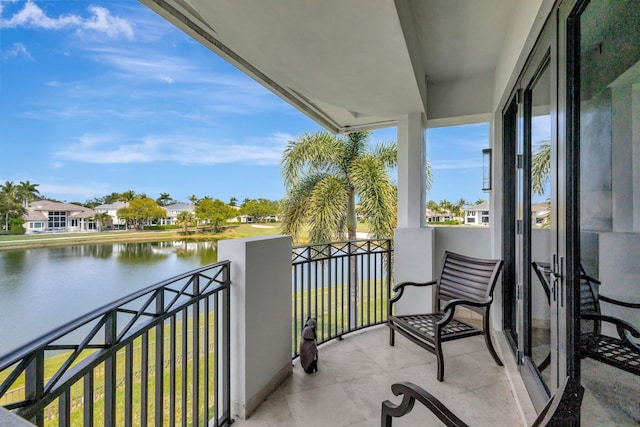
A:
(344, 285)
(157, 357)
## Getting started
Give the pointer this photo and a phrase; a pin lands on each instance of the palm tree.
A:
(164, 199)
(127, 196)
(323, 174)
(10, 202)
(27, 192)
(193, 199)
(186, 219)
(101, 218)
(540, 167)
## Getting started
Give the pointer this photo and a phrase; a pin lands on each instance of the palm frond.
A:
(428, 177)
(327, 210)
(310, 154)
(295, 205)
(540, 168)
(377, 194)
(387, 152)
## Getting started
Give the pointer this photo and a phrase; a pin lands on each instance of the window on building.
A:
(36, 225)
(471, 213)
(471, 220)
(57, 219)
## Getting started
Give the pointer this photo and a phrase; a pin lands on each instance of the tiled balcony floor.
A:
(355, 376)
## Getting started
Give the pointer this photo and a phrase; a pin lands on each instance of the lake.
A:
(41, 289)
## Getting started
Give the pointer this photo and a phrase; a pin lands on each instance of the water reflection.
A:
(41, 289)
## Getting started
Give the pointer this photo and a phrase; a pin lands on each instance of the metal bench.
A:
(463, 281)
(563, 409)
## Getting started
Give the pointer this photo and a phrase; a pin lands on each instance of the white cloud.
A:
(100, 20)
(110, 149)
(103, 22)
(85, 191)
(456, 164)
(18, 49)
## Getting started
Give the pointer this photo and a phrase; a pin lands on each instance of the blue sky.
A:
(106, 96)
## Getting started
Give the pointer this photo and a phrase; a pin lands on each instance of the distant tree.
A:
(432, 205)
(186, 219)
(445, 206)
(92, 203)
(164, 199)
(260, 208)
(214, 212)
(479, 202)
(10, 202)
(233, 202)
(462, 202)
(27, 192)
(193, 199)
(127, 196)
(101, 219)
(141, 211)
(112, 198)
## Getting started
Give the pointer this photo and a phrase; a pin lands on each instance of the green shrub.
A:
(16, 227)
(162, 227)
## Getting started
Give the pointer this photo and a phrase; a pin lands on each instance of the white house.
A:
(112, 210)
(440, 216)
(46, 216)
(174, 210)
(477, 215)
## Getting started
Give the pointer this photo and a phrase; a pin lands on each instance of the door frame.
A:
(543, 54)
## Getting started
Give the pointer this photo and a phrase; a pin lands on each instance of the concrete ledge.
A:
(7, 419)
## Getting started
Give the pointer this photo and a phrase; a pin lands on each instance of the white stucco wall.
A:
(261, 317)
(413, 252)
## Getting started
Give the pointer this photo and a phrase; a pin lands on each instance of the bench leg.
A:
(487, 340)
(392, 337)
(440, 361)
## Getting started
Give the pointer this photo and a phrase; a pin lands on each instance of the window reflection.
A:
(609, 202)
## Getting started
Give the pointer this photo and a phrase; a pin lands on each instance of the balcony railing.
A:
(157, 357)
(344, 285)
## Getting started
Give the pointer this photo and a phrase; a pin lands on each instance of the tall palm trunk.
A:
(353, 262)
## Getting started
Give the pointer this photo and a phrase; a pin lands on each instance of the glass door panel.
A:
(608, 147)
(540, 219)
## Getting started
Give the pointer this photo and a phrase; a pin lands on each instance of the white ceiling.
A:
(350, 64)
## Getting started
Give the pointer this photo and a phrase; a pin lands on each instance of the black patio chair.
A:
(621, 351)
(464, 281)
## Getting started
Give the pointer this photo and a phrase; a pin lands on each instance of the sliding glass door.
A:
(533, 259)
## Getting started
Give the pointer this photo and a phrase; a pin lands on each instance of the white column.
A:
(413, 243)
(411, 175)
(261, 318)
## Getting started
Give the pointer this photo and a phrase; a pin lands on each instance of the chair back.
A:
(466, 278)
(589, 304)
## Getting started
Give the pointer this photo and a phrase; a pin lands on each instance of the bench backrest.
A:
(467, 278)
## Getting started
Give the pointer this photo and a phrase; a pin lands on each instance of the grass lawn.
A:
(26, 241)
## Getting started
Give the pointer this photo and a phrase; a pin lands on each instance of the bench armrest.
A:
(399, 289)
(410, 393)
(450, 307)
(621, 326)
(618, 302)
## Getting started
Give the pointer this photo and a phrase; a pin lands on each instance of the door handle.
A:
(556, 269)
